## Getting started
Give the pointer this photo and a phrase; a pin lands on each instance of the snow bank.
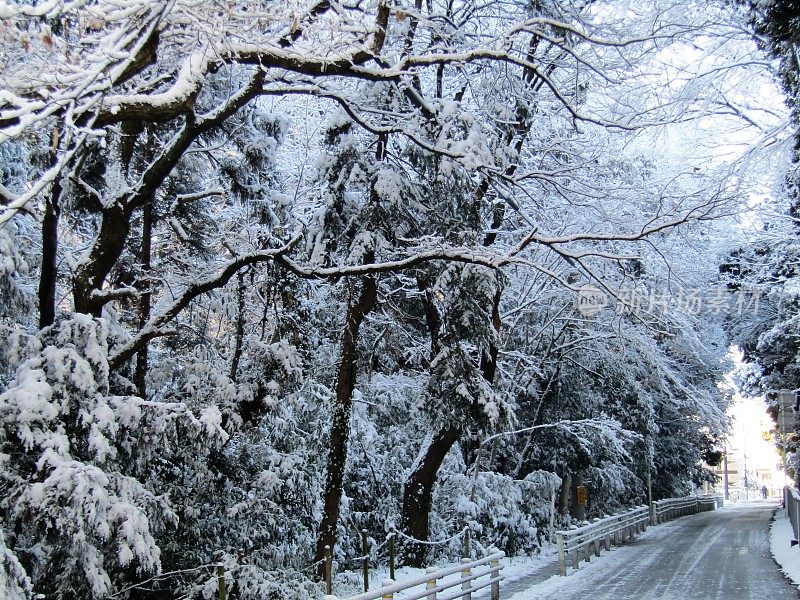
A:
(786, 555)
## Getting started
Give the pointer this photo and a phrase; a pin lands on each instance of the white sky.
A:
(750, 439)
(750, 423)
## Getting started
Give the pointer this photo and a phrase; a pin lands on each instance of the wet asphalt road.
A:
(714, 555)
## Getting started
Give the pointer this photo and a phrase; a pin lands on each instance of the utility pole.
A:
(744, 469)
(786, 422)
(726, 494)
(649, 473)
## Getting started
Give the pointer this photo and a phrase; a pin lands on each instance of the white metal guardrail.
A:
(588, 539)
(460, 581)
(711, 501)
(602, 532)
(672, 508)
(474, 575)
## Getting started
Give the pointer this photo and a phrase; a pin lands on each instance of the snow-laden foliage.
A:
(75, 457)
(14, 581)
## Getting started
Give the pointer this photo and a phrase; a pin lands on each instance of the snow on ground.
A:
(786, 555)
(519, 568)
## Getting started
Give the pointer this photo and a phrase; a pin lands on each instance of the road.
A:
(714, 555)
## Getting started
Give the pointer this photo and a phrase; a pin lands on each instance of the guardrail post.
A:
(430, 584)
(596, 542)
(328, 569)
(365, 554)
(466, 584)
(796, 524)
(562, 555)
(495, 575)
(392, 537)
(221, 587)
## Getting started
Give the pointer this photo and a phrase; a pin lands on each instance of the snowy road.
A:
(719, 554)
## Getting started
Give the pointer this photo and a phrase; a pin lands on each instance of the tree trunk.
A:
(237, 350)
(49, 274)
(489, 359)
(563, 497)
(419, 491)
(340, 425)
(576, 509)
(106, 250)
(140, 377)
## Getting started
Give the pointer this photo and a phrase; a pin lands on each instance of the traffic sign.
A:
(581, 495)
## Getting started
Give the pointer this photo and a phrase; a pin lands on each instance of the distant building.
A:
(757, 478)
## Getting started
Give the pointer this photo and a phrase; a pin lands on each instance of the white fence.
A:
(711, 501)
(460, 581)
(474, 575)
(672, 508)
(589, 538)
(791, 500)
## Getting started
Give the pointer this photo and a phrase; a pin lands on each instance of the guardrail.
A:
(573, 544)
(486, 574)
(711, 501)
(606, 531)
(672, 508)
(791, 501)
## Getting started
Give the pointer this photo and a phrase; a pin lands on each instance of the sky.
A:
(747, 441)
